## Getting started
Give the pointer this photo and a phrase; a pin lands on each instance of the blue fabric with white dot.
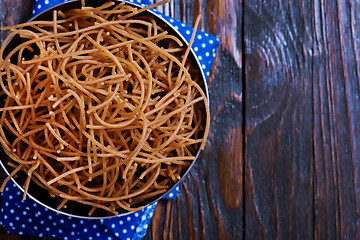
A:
(27, 217)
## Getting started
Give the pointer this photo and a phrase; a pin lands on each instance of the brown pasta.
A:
(102, 106)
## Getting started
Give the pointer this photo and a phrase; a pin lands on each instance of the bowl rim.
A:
(205, 88)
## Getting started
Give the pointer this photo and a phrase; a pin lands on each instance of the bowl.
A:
(41, 195)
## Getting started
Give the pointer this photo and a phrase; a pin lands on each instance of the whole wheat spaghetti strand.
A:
(105, 105)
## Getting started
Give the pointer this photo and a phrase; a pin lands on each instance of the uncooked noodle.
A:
(102, 106)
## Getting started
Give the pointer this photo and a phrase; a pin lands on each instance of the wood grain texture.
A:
(279, 174)
(303, 62)
(283, 156)
(336, 80)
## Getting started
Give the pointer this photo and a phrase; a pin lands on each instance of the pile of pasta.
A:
(102, 106)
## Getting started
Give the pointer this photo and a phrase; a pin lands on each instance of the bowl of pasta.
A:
(104, 108)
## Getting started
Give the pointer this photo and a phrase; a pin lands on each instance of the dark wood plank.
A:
(13, 12)
(279, 169)
(209, 205)
(210, 202)
(336, 98)
(305, 59)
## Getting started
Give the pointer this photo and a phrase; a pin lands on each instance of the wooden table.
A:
(283, 156)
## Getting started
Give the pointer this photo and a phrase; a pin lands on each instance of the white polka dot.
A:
(18, 193)
(54, 223)
(206, 34)
(214, 54)
(177, 188)
(203, 66)
(60, 231)
(200, 57)
(17, 218)
(109, 238)
(196, 49)
(73, 225)
(117, 234)
(23, 225)
(42, 222)
(199, 36)
(139, 1)
(207, 73)
(124, 231)
(138, 229)
(47, 229)
(171, 20)
(106, 230)
(85, 230)
(33, 12)
(211, 41)
(46, 209)
(113, 225)
(128, 239)
(21, 233)
(143, 218)
(121, 222)
(46, 1)
(11, 224)
(12, 211)
(35, 227)
(39, 6)
(72, 233)
(94, 226)
(65, 238)
(62, 221)
(30, 220)
(34, 205)
(151, 214)
(6, 204)
(98, 234)
(90, 238)
(171, 195)
(136, 214)
(128, 218)
(183, 25)
(203, 45)
(11, 197)
(50, 217)
(207, 54)
(41, 235)
(145, 226)
(5, 217)
(176, 27)
(187, 32)
(132, 227)
(81, 221)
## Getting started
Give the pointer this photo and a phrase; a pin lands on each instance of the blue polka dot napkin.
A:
(27, 217)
